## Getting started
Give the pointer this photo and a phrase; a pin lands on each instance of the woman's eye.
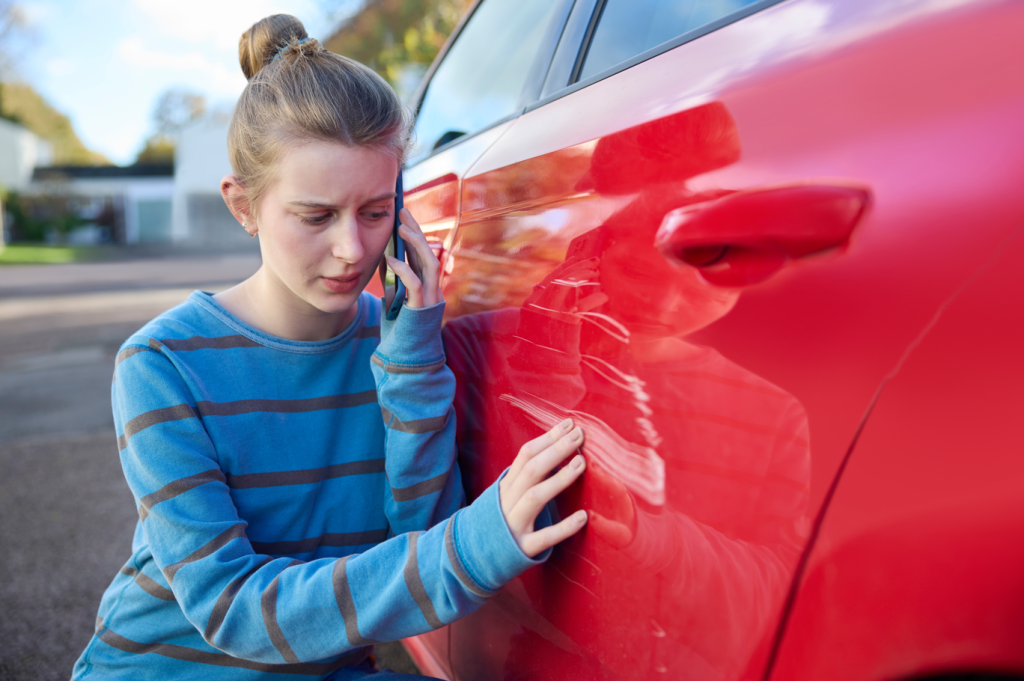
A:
(377, 215)
(315, 219)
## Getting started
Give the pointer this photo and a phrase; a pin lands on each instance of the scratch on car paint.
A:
(639, 468)
(635, 386)
(583, 558)
(570, 579)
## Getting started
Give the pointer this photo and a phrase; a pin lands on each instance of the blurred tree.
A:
(52, 214)
(157, 149)
(173, 111)
(20, 103)
(12, 27)
(398, 38)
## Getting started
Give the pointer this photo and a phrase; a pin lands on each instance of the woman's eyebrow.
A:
(329, 206)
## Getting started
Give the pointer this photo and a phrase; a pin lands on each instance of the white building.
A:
(138, 196)
(21, 151)
(200, 161)
(146, 203)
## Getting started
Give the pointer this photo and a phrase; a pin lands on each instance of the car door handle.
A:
(747, 236)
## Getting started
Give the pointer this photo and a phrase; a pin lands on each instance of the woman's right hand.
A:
(527, 487)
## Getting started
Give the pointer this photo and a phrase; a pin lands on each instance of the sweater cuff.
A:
(413, 339)
(486, 548)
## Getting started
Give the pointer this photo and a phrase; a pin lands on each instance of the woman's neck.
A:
(264, 302)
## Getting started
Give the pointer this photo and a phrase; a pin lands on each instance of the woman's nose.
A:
(346, 241)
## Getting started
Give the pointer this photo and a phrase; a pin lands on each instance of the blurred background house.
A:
(55, 190)
(21, 151)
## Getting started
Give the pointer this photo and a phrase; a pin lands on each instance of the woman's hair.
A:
(298, 91)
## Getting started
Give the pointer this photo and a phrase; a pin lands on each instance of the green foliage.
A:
(22, 104)
(158, 149)
(173, 111)
(389, 36)
(25, 254)
(34, 217)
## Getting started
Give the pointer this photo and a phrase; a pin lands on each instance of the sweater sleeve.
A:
(273, 610)
(415, 389)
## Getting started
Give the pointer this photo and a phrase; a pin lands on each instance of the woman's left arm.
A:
(415, 390)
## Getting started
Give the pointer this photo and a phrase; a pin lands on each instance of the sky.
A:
(104, 63)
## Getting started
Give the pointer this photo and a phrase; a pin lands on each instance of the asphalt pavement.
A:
(66, 515)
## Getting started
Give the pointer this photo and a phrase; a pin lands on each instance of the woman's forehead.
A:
(335, 173)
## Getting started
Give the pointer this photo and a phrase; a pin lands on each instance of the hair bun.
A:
(260, 44)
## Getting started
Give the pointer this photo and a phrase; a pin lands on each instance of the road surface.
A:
(66, 515)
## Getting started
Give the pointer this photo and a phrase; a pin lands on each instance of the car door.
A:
(706, 250)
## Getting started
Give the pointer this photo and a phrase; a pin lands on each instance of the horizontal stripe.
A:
(368, 332)
(186, 654)
(415, 426)
(206, 408)
(285, 548)
(343, 596)
(453, 558)
(268, 606)
(415, 585)
(307, 476)
(420, 489)
(224, 601)
(287, 406)
(236, 531)
(149, 585)
(201, 343)
(129, 351)
(152, 418)
(392, 368)
(179, 486)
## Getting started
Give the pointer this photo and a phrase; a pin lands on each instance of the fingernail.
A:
(577, 434)
(580, 517)
(577, 462)
(565, 425)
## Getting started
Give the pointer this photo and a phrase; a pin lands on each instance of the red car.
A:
(771, 256)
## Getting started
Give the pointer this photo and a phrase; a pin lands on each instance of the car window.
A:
(481, 77)
(628, 27)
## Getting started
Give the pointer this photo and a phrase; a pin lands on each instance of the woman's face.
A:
(324, 222)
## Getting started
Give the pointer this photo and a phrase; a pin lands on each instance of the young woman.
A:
(284, 525)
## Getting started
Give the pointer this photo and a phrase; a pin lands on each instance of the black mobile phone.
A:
(396, 249)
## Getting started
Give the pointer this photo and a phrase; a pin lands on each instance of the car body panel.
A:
(918, 565)
(717, 417)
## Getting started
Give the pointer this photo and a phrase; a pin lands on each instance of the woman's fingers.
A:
(538, 445)
(537, 468)
(421, 257)
(536, 497)
(413, 285)
(534, 543)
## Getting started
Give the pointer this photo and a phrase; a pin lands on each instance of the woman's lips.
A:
(341, 284)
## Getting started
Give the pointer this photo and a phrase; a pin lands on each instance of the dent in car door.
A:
(699, 469)
(711, 381)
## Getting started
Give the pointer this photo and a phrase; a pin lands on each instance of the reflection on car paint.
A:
(636, 467)
(699, 470)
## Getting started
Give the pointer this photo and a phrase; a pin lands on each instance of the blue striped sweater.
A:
(284, 525)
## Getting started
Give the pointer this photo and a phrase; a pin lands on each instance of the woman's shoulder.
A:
(186, 322)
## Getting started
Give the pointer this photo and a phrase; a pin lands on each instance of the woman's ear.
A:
(234, 196)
